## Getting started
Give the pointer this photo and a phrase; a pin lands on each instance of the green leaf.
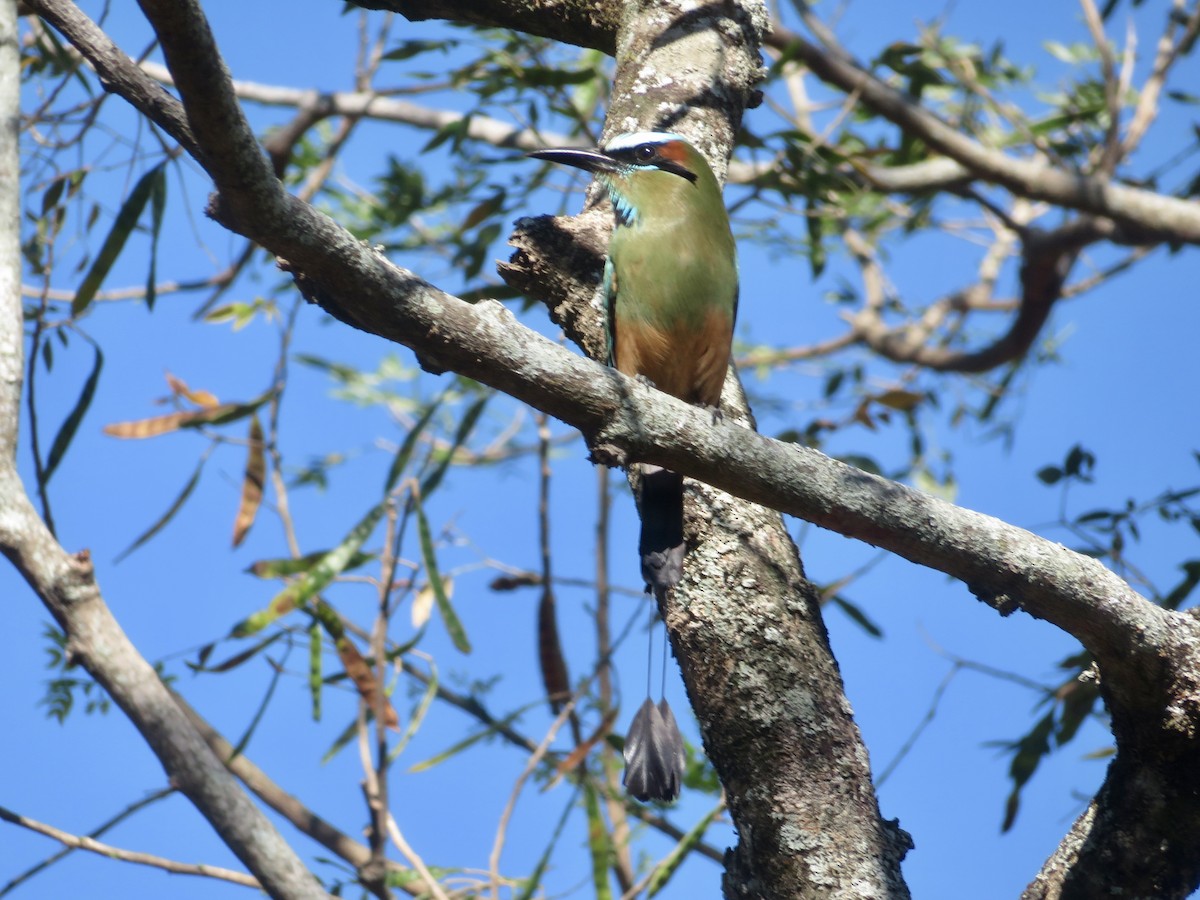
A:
(664, 870)
(315, 683)
(1028, 753)
(453, 626)
(244, 740)
(404, 454)
(866, 463)
(201, 664)
(816, 247)
(408, 49)
(170, 513)
(158, 204)
(299, 592)
(431, 481)
(598, 843)
(70, 425)
(54, 193)
(531, 884)
(1178, 594)
(284, 567)
(1078, 698)
(457, 748)
(857, 615)
(418, 716)
(1049, 474)
(551, 77)
(123, 226)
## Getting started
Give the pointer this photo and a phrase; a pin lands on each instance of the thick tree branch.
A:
(583, 23)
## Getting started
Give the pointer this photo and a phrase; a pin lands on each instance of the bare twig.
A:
(1111, 153)
(414, 860)
(532, 763)
(82, 842)
(1171, 46)
(129, 810)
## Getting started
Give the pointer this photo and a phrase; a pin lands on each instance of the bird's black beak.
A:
(590, 160)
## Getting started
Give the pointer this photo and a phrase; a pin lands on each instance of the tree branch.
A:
(582, 23)
(82, 842)
(1146, 214)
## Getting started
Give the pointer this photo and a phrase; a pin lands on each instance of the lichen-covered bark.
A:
(583, 23)
(745, 623)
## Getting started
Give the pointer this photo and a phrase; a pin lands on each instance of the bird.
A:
(671, 295)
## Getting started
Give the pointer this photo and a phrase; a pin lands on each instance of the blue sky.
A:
(1123, 389)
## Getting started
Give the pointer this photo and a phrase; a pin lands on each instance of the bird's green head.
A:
(645, 173)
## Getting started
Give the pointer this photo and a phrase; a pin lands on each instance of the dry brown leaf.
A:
(156, 425)
(364, 679)
(577, 756)
(200, 398)
(252, 483)
(550, 655)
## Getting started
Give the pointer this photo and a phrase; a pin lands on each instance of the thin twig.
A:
(124, 814)
(1110, 157)
(414, 860)
(143, 859)
(534, 759)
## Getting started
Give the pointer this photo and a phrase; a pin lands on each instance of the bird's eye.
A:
(644, 152)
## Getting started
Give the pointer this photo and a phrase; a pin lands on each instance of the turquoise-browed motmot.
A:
(671, 289)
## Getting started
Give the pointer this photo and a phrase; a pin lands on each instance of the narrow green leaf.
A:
(1178, 594)
(856, 613)
(1077, 701)
(54, 193)
(1028, 753)
(314, 668)
(457, 748)
(404, 454)
(70, 425)
(665, 869)
(816, 246)
(408, 49)
(286, 566)
(345, 737)
(299, 592)
(598, 843)
(201, 664)
(171, 510)
(126, 221)
(244, 741)
(533, 882)
(418, 716)
(431, 481)
(158, 205)
(453, 626)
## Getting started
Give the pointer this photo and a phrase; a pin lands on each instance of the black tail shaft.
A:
(661, 543)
